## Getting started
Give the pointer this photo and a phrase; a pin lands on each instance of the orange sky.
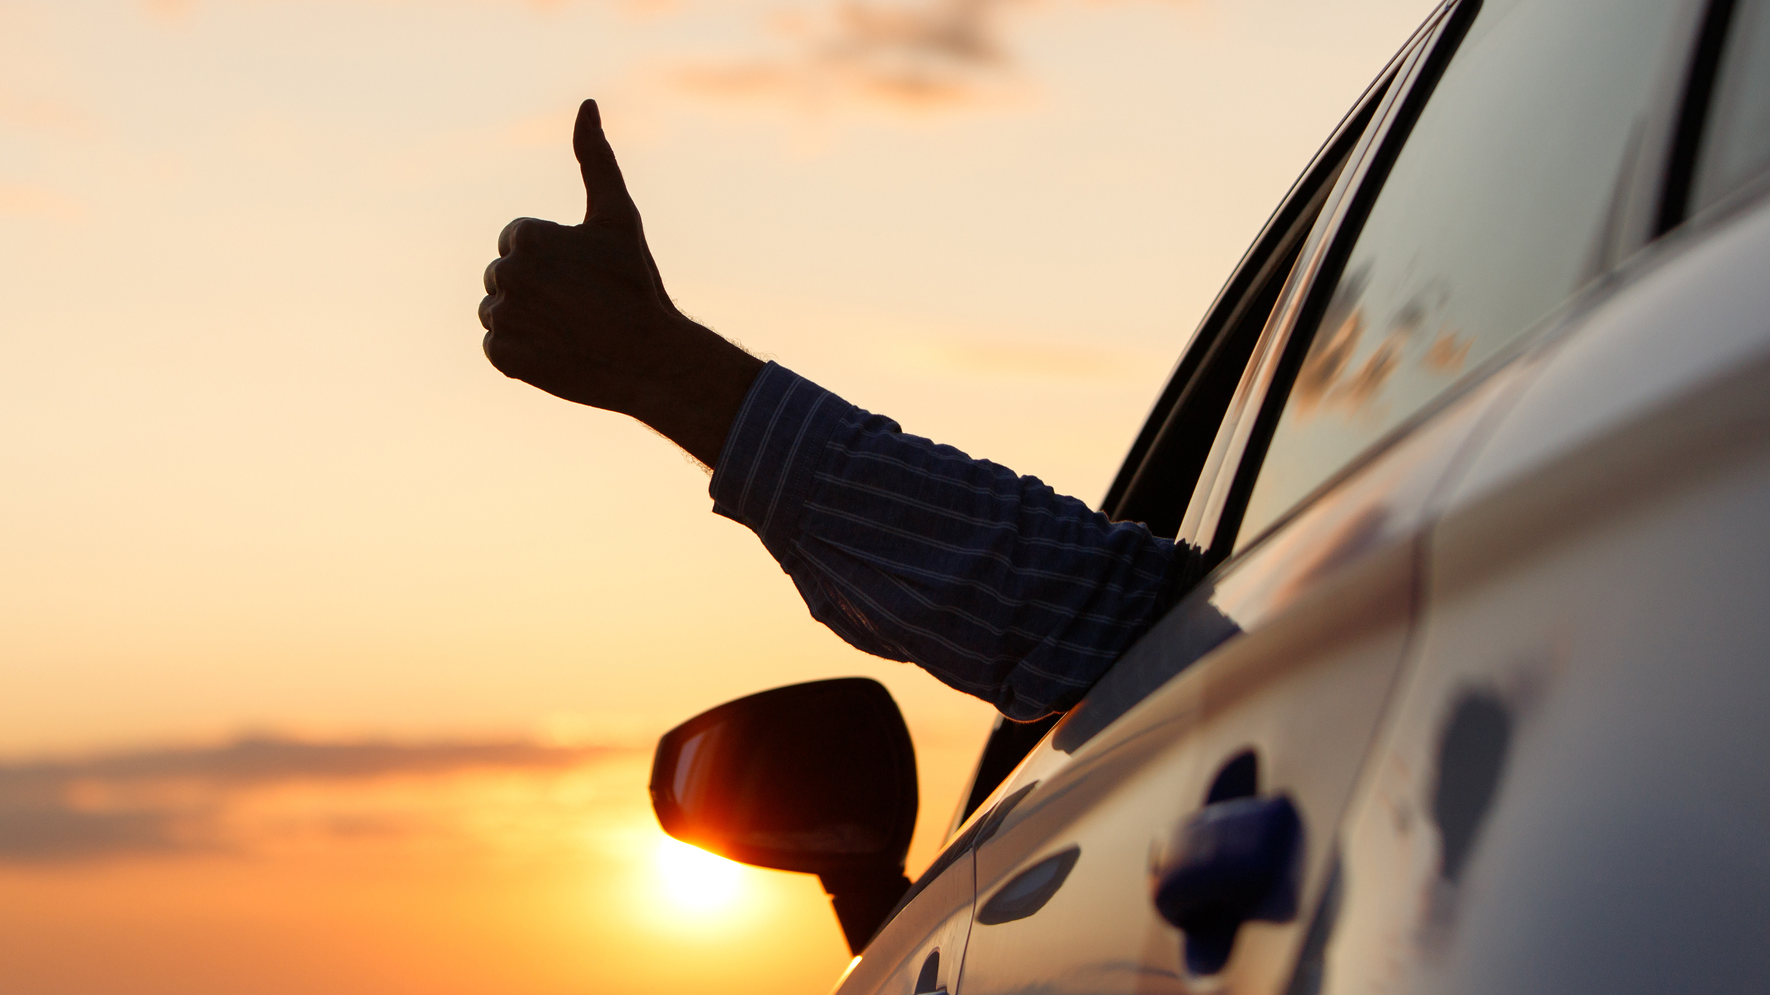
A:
(259, 479)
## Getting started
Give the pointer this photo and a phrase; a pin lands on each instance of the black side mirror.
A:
(818, 778)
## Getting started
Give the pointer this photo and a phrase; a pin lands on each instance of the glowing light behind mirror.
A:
(695, 880)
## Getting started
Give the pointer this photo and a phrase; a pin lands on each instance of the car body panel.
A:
(937, 921)
(1597, 586)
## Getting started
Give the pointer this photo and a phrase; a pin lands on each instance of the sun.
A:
(695, 879)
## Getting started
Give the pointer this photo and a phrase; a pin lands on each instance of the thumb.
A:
(603, 186)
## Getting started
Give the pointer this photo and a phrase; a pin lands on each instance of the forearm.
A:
(693, 397)
(914, 551)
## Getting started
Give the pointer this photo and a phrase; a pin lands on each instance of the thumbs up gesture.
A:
(580, 312)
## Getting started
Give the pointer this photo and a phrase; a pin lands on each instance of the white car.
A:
(1477, 695)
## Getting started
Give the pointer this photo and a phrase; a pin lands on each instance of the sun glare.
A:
(695, 879)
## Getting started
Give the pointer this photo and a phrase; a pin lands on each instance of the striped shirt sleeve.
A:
(913, 551)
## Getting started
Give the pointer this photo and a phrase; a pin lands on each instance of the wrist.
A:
(693, 396)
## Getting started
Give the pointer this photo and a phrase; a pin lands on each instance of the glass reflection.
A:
(1488, 220)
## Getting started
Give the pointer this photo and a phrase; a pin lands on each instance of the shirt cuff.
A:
(771, 451)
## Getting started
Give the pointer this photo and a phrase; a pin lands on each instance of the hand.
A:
(580, 312)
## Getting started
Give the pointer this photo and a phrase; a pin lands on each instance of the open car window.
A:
(1165, 462)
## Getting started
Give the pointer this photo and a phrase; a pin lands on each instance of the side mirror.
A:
(818, 778)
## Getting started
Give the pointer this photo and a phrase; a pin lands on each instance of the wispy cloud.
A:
(907, 54)
(932, 53)
(190, 800)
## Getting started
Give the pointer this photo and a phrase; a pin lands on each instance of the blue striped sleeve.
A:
(913, 551)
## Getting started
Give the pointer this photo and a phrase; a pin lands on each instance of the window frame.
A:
(1677, 213)
(1695, 103)
(1213, 515)
(1169, 453)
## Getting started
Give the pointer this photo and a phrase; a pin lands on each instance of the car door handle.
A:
(928, 979)
(1231, 862)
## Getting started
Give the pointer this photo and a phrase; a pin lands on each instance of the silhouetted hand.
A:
(580, 312)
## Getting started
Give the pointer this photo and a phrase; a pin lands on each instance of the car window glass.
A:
(1165, 463)
(1488, 219)
(1735, 143)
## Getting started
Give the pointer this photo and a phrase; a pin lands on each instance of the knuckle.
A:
(516, 234)
(507, 237)
(499, 353)
(486, 305)
(526, 234)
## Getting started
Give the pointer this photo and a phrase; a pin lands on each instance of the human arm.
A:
(914, 551)
(906, 549)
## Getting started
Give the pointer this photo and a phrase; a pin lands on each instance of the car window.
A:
(1164, 463)
(1735, 145)
(1487, 220)
(1166, 457)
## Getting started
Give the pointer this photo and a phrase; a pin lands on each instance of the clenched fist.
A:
(580, 312)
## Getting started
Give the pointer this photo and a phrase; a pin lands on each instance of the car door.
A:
(1482, 217)
(1570, 794)
(1297, 644)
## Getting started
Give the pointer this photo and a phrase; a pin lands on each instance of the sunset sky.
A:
(331, 659)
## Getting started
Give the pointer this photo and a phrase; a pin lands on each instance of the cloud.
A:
(190, 800)
(929, 54)
(49, 833)
(908, 54)
(257, 760)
